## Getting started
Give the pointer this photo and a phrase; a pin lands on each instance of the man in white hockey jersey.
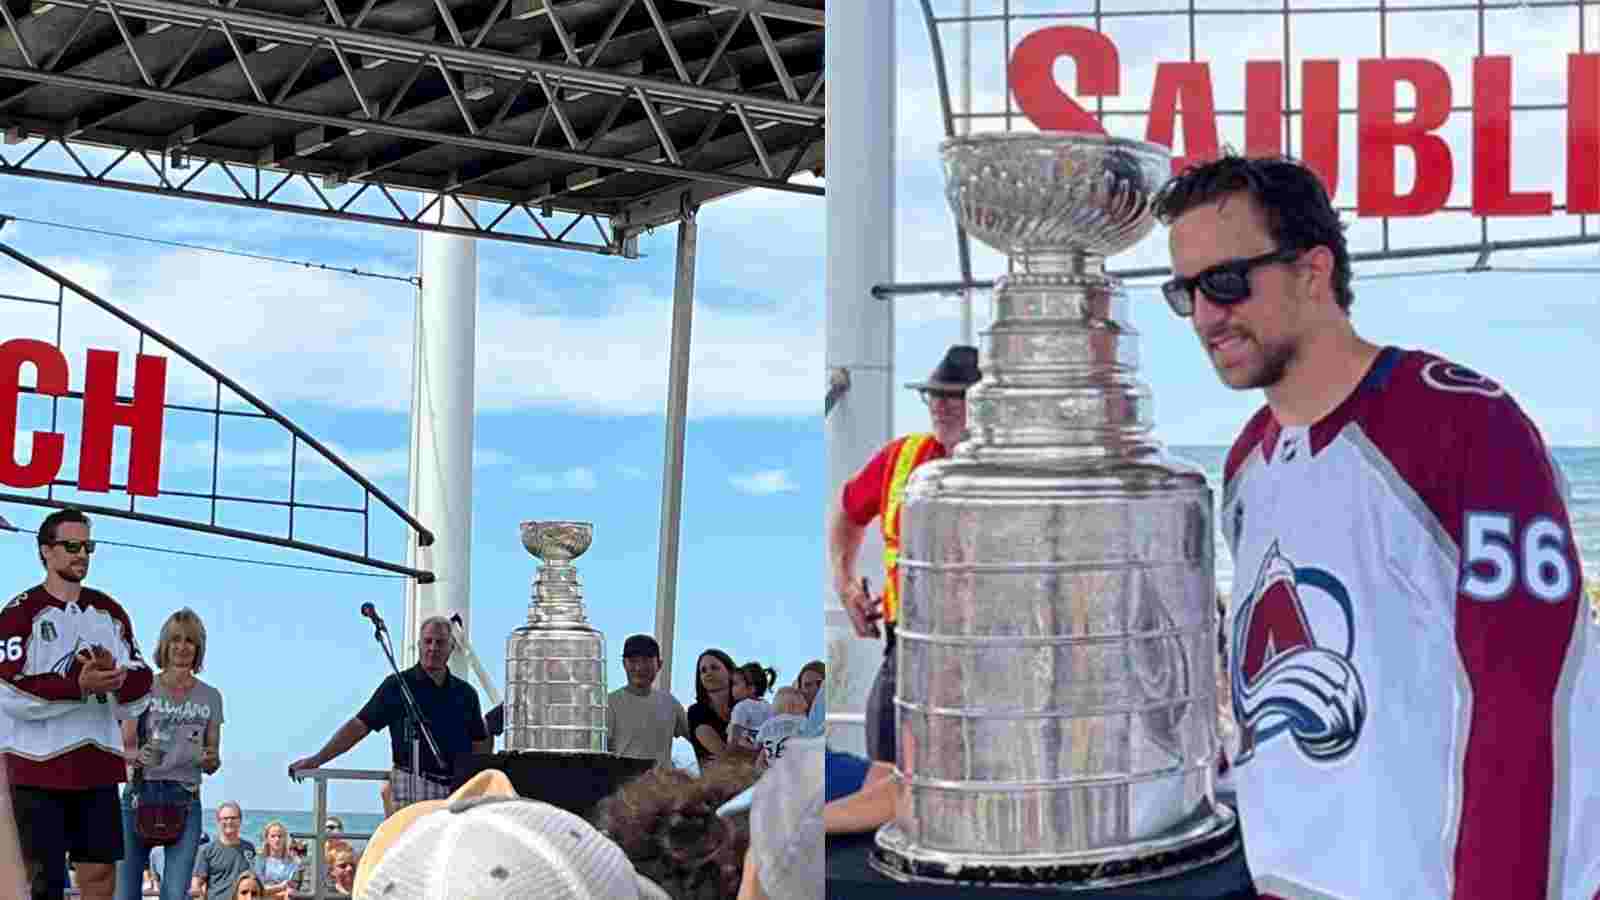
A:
(70, 671)
(1412, 668)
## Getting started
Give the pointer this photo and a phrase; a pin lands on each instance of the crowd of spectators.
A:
(105, 755)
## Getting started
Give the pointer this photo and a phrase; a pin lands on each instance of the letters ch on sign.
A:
(102, 412)
(1182, 96)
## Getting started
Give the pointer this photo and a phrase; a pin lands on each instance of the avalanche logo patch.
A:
(1451, 378)
(1291, 671)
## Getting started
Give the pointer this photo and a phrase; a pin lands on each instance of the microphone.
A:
(371, 612)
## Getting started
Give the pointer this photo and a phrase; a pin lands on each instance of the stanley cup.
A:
(1056, 701)
(555, 664)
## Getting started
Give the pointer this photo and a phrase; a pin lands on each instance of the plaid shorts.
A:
(407, 788)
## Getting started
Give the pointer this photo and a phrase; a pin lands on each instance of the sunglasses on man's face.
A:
(74, 546)
(1225, 284)
(930, 396)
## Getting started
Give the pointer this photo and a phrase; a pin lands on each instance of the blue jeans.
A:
(179, 867)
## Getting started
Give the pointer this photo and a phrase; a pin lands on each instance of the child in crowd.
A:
(788, 720)
(750, 711)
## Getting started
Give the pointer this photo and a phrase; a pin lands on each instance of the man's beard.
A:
(71, 573)
(1274, 362)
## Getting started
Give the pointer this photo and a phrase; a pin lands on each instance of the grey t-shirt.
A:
(643, 727)
(221, 866)
(181, 723)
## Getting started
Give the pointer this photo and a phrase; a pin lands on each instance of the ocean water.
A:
(1580, 466)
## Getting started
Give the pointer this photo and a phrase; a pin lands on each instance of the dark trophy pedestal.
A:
(575, 782)
(851, 878)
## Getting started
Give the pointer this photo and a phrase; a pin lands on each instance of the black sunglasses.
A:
(929, 395)
(73, 546)
(1224, 284)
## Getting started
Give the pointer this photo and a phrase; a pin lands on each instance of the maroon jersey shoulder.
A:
(1445, 430)
(1261, 429)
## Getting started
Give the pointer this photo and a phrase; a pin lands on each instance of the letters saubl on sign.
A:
(102, 412)
(1182, 95)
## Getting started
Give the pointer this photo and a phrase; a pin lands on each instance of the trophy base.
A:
(1184, 848)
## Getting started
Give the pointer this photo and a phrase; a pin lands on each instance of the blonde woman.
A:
(277, 867)
(176, 742)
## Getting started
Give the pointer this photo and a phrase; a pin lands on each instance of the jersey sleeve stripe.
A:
(1561, 797)
(1403, 491)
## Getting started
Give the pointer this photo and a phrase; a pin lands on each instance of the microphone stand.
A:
(379, 633)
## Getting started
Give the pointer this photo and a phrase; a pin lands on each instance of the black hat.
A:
(956, 372)
(641, 645)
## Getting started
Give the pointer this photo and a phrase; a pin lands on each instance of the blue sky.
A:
(571, 390)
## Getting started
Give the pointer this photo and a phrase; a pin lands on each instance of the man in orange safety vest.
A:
(875, 492)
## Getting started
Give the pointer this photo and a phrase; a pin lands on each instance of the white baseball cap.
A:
(491, 844)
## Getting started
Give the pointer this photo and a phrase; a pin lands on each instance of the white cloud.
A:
(319, 337)
(375, 465)
(764, 483)
(580, 479)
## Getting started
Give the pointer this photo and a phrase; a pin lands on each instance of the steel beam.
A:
(677, 415)
(659, 208)
(769, 8)
(352, 123)
(890, 290)
(410, 50)
(339, 214)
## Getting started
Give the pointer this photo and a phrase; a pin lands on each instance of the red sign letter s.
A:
(1033, 80)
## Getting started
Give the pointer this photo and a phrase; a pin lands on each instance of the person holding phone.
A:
(875, 492)
(174, 744)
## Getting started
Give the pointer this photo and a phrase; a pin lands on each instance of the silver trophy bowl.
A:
(557, 542)
(1046, 193)
(1056, 697)
(555, 664)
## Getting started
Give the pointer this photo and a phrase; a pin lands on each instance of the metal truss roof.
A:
(627, 111)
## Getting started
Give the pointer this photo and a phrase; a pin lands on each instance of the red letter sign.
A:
(1319, 130)
(1379, 134)
(1491, 144)
(1583, 133)
(102, 412)
(1033, 79)
(1263, 108)
(1190, 81)
(45, 461)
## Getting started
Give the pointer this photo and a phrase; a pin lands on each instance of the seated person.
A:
(788, 720)
(667, 823)
(865, 809)
(483, 842)
(750, 709)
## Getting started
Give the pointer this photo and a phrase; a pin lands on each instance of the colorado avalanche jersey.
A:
(1414, 671)
(51, 735)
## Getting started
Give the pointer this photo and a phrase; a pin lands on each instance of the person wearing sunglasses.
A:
(70, 670)
(875, 492)
(1406, 634)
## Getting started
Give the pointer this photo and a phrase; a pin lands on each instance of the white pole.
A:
(964, 129)
(441, 424)
(672, 458)
(860, 328)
